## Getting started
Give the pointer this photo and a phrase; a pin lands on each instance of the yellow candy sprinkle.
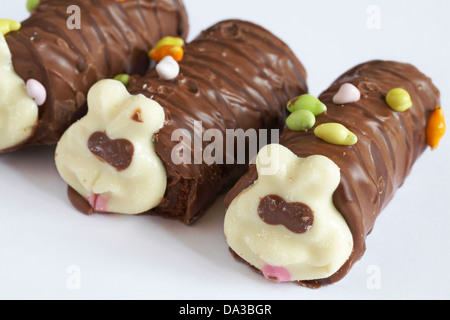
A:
(336, 133)
(169, 41)
(8, 25)
(399, 100)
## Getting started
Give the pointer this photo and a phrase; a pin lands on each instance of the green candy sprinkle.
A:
(32, 4)
(122, 78)
(307, 102)
(301, 120)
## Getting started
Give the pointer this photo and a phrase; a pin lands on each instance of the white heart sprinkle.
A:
(168, 68)
(348, 93)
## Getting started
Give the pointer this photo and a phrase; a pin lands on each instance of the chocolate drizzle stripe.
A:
(153, 18)
(180, 8)
(223, 111)
(386, 139)
(417, 123)
(115, 23)
(133, 28)
(271, 43)
(247, 55)
(232, 74)
(82, 62)
(143, 21)
(101, 36)
(158, 19)
(360, 149)
(206, 98)
(54, 30)
(232, 80)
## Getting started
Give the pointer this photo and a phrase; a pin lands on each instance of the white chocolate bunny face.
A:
(18, 111)
(285, 224)
(108, 157)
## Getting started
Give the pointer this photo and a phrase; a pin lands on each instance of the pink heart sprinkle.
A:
(348, 93)
(279, 274)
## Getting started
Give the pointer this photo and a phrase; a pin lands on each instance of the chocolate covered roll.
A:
(159, 146)
(50, 61)
(303, 212)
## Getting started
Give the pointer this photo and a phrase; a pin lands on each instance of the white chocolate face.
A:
(139, 183)
(18, 111)
(275, 250)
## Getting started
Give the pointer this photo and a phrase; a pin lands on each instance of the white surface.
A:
(43, 240)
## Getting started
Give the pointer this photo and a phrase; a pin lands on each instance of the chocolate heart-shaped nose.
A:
(118, 153)
(295, 216)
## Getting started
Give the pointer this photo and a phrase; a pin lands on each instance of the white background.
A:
(43, 240)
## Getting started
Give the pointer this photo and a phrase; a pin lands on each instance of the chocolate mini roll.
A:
(64, 61)
(234, 76)
(307, 220)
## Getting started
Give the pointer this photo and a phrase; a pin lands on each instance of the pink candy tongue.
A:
(279, 274)
(98, 203)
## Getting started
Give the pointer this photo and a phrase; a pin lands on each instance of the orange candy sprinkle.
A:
(436, 128)
(160, 53)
